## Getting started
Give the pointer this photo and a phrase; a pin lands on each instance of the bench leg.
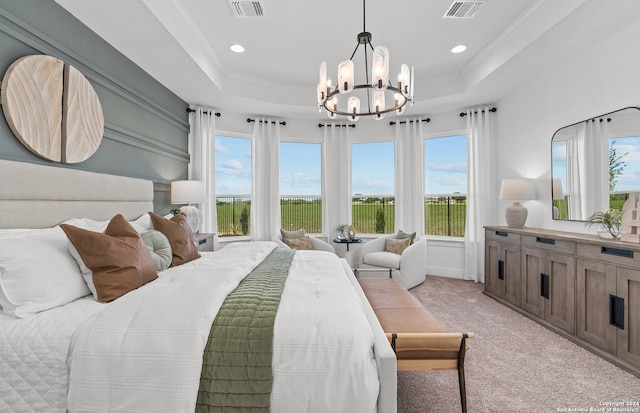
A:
(461, 380)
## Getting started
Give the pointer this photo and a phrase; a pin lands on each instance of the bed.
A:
(143, 351)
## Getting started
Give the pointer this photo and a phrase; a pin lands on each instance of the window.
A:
(445, 185)
(301, 186)
(372, 186)
(560, 170)
(624, 176)
(233, 185)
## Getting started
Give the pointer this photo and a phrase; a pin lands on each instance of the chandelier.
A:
(369, 98)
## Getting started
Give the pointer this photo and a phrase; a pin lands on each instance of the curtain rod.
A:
(463, 114)
(272, 122)
(189, 110)
(350, 125)
(402, 122)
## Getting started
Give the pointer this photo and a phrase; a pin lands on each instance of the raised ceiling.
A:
(184, 44)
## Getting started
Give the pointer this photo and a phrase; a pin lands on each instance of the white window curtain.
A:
(336, 161)
(409, 157)
(590, 190)
(265, 194)
(481, 190)
(202, 132)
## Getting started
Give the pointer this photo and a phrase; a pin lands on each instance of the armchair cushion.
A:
(402, 235)
(383, 259)
(298, 243)
(396, 246)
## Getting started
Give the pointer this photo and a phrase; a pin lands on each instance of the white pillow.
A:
(141, 224)
(26, 232)
(37, 273)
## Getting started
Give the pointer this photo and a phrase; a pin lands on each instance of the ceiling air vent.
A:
(463, 9)
(247, 8)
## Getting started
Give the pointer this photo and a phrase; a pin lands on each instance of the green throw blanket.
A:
(236, 370)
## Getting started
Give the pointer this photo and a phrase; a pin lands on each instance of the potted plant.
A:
(342, 231)
(609, 223)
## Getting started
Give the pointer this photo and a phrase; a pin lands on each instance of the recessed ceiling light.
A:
(238, 48)
(459, 48)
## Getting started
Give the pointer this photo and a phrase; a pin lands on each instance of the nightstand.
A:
(207, 241)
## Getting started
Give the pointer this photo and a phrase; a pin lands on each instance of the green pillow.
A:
(402, 235)
(292, 234)
(158, 245)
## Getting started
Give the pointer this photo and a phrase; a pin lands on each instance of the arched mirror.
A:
(595, 164)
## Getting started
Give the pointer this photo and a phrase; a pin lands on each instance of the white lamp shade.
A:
(378, 103)
(517, 190)
(380, 68)
(403, 78)
(185, 192)
(558, 192)
(323, 75)
(345, 76)
(332, 103)
(353, 105)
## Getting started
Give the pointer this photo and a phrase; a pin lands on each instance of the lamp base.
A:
(516, 215)
(193, 215)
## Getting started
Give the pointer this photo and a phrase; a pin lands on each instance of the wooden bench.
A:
(420, 341)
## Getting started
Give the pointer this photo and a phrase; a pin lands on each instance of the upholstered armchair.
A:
(408, 268)
(316, 244)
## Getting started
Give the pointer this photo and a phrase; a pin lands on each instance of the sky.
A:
(372, 167)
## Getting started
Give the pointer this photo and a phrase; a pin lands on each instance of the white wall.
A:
(591, 82)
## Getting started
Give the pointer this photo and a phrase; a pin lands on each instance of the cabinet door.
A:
(628, 339)
(492, 259)
(511, 276)
(502, 263)
(532, 266)
(595, 282)
(559, 308)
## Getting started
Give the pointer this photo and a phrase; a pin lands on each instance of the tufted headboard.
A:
(38, 196)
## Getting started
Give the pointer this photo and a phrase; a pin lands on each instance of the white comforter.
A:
(143, 353)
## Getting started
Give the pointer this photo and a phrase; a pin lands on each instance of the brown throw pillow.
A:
(397, 245)
(118, 258)
(180, 235)
(299, 243)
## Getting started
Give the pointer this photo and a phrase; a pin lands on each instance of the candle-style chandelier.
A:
(369, 98)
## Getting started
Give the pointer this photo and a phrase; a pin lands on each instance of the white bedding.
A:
(144, 351)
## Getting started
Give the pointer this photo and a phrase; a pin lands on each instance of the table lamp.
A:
(516, 190)
(189, 192)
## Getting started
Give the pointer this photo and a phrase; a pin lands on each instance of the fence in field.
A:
(445, 214)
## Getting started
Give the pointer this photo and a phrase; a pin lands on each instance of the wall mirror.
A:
(595, 164)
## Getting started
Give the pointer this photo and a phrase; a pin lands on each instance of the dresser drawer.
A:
(619, 255)
(502, 236)
(550, 244)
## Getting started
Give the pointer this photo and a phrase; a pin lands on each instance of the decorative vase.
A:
(351, 232)
(605, 233)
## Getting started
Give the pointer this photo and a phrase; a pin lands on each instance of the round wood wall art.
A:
(52, 109)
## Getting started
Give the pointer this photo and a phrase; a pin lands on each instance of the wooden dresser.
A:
(580, 286)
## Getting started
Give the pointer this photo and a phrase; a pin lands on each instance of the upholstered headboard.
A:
(38, 196)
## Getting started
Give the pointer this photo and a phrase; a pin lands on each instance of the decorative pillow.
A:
(159, 248)
(292, 234)
(396, 245)
(299, 243)
(402, 235)
(180, 235)
(118, 259)
(37, 273)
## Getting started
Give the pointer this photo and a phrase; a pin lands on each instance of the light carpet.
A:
(513, 364)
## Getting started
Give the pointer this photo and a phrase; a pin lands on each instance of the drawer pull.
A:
(617, 252)
(546, 241)
(500, 270)
(202, 241)
(502, 233)
(616, 311)
(545, 285)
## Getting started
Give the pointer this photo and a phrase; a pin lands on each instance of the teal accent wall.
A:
(146, 125)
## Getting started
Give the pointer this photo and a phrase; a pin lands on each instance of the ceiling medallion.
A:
(367, 99)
